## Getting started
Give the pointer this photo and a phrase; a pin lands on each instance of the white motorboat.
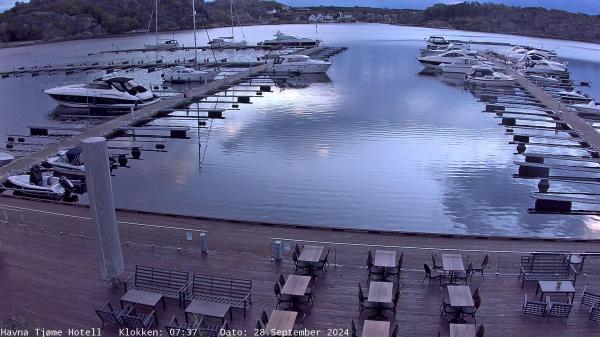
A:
(543, 67)
(285, 40)
(590, 108)
(434, 61)
(488, 77)
(68, 162)
(223, 43)
(298, 81)
(109, 93)
(573, 97)
(6, 158)
(437, 41)
(464, 66)
(298, 64)
(181, 74)
(41, 184)
(450, 47)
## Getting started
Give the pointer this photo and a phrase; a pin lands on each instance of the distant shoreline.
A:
(8, 45)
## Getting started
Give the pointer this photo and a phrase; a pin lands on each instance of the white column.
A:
(102, 206)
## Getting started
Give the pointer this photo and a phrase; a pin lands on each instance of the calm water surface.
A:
(375, 144)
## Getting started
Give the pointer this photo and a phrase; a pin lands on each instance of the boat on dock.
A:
(464, 66)
(434, 61)
(117, 93)
(590, 108)
(229, 41)
(40, 184)
(573, 97)
(299, 64)
(181, 74)
(6, 158)
(488, 77)
(68, 162)
(285, 40)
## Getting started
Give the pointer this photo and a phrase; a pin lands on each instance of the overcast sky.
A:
(585, 6)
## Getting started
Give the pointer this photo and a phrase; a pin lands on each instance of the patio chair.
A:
(323, 263)
(535, 308)
(395, 271)
(446, 310)
(108, 315)
(297, 249)
(135, 320)
(470, 312)
(481, 269)
(429, 275)
(392, 306)
(558, 309)
(589, 298)
(595, 313)
(259, 325)
(264, 318)
(464, 275)
(434, 261)
(353, 328)
(300, 265)
(281, 280)
(362, 301)
(395, 331)
(373, 270)
(480, 331)
(310, 289)
(280, 297)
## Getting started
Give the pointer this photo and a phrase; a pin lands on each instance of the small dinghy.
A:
(6, 158)
(590, 108)
(41, 185)
(68, 162)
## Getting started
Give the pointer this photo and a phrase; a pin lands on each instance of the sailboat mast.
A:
(195, 45)
(232, 21)
(156, 24)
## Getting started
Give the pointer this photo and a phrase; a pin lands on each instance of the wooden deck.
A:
(51, 279)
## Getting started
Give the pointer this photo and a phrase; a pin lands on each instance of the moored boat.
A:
(487, 77)
(68, 162)
(40, 184)
(6, 158)
(298, 64)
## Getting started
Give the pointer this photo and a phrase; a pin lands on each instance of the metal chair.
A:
(535, 308)
(264, 318)
(434, 261)
(135, 320)
(395, 331)
(353, 328)
(373, 270)
(280, 297)
(480, 331)
(481, 269)
(558, 309)
(464, 275)
(392, 306)
(108, 315)
(589, 298)
(362, 301)
(429, 275)
(395, 271)
(473, 310)
(300, 265)
(595, 313)
(281, 280)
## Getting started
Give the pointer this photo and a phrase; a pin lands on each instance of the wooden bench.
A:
(169, 283)
(547, 267)
(235, 292)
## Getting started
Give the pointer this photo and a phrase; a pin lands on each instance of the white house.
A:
(320, 18)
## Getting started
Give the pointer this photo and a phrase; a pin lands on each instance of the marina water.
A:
(376, 144)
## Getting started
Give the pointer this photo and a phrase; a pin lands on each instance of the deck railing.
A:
(130, 233)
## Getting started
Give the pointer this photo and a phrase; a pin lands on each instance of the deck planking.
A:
(53, 279)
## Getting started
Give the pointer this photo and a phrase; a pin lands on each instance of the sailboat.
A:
(229, 41)
(181, 74)
(166, 44)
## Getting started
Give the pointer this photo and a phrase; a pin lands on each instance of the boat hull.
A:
(188, 78)
(301, 69)
(493, 83)
(83, 102)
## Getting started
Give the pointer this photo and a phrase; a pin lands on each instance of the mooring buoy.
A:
(543, 185)
(136, 153)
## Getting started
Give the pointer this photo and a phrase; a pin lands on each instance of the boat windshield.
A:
(278, 60)
(437, 40)
(482, 72)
